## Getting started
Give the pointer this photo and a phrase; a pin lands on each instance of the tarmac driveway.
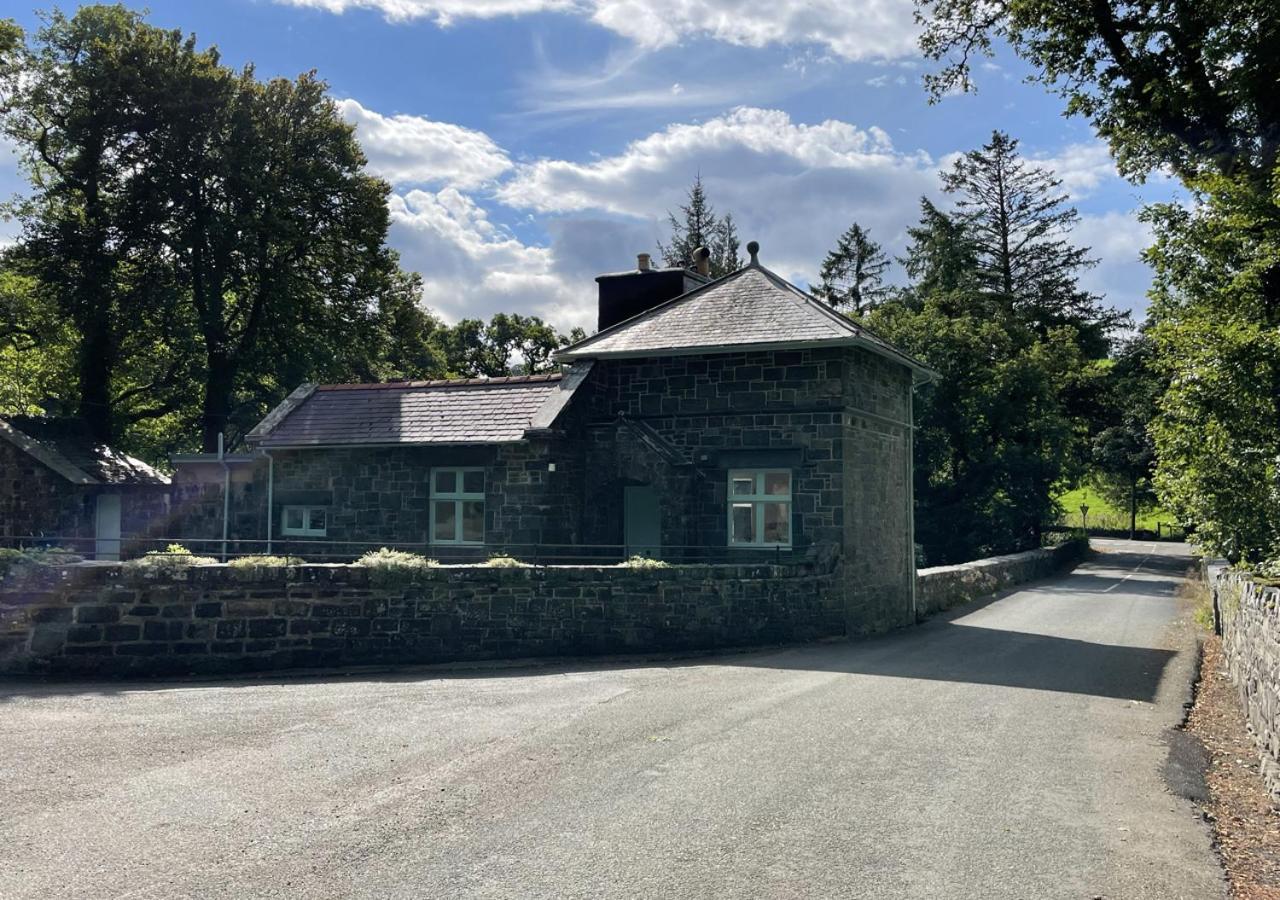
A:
(1012, 750)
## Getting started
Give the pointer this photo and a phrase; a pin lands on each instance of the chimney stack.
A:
(702, 261)
(624, 295)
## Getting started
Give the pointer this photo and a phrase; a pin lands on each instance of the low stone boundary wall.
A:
(94, 618)
(1249, 614)
(942, 587)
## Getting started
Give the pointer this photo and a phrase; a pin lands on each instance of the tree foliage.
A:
(1216, 325)
(699, 226)
(1188, 88)
(1123, 448)
(1006, 422)
(852, 275)
(1018, 221)
(197, 242)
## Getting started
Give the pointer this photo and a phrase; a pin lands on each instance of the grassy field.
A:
(1103, 515)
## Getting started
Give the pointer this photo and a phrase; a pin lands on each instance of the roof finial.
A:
(754, 249)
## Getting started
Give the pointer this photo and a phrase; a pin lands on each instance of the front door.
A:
(642, 521)
(106, 530)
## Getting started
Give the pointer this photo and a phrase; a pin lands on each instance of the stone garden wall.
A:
(942, 587)
(1250, 617)
(107, 619)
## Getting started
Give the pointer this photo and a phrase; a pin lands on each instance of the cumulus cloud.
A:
(1083, 167)
(791, 185)
(870, 29)
(415, 150)
(1117, 240)
(472, 267)
(795, 187)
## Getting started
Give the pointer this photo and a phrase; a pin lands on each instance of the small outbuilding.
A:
(59, 485)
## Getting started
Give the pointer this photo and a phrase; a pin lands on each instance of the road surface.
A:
(1013, 749)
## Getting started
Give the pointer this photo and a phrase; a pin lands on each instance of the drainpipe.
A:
(271, 483)
(911, 494)
(226, 492)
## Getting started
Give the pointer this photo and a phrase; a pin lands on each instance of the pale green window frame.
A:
(759, 508)
(304, 521)
(457, 505)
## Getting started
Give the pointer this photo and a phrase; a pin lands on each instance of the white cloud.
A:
(794, 187)
(472, 268)
(1117, 240)
(870, 29)
(1083, 168)
(415, 150)
(443, 12)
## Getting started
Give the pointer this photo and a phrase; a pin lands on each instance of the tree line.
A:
(197, 241)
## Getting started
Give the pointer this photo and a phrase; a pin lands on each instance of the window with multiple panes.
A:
(760, 508)
(457, 506)
(304, 521)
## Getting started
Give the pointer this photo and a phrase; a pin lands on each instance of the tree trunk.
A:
(1133, 507)
(215, 411)
(95, 367)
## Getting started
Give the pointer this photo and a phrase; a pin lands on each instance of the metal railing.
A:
(310, 550)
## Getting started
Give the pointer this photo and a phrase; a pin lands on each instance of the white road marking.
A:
(1136, 569)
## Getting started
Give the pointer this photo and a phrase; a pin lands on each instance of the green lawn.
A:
(1103, 515)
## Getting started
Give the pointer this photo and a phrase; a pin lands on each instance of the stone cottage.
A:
(739, 419)
(58, 485)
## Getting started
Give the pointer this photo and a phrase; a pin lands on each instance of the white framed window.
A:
(760, 508)
(304, 521)
(457, 506)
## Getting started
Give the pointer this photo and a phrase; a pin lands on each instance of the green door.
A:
(642, 521)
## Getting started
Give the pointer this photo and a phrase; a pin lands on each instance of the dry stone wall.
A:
(1250, 617)
(942, 587)
(105, 619)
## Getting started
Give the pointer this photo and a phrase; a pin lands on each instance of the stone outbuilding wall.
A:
(1249, 614)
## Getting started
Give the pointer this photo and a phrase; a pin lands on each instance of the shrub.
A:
(247, 568)
(170, 561)
(390, 568)
(264, 562)
(503, 562)
(10, 558)
(644, 563)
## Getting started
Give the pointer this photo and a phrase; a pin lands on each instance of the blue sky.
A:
(533, 144)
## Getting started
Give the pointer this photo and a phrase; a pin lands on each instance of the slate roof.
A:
(747, 309)
(67, 447)
(468, 411)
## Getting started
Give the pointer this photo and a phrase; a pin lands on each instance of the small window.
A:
(457, 506)
(760, 508)
(305, 521)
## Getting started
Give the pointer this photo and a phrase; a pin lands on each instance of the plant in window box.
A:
(395, 568)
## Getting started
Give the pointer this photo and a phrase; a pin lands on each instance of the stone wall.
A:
(107, 619)
(36, 500)
(942, 587)
(1250, 617)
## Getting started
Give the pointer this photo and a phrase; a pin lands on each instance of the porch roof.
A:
(66, 447)
(467, 411)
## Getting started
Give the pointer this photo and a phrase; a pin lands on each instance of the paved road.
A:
(1013, 750)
